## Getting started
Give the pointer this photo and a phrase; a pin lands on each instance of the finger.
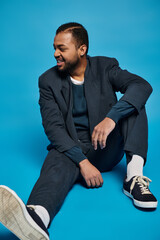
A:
(93, 133)
(93, 137)
(94, 141)
(88, 182)
(101, 180)
(101, 184)
(100, 137)
(93, 182)
(103, 141)
(98, 183)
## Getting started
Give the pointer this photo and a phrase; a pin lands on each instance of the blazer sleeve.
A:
(52, 119)
(136, 90)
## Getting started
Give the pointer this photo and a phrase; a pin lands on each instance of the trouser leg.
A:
(57, 177)
(129, 136)
(59, 173)
(135, 134)
(107, 158)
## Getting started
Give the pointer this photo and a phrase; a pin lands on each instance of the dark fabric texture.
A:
(75, 154)
(79, 109)
(135, 133)
(59, 173)
(80, 118)
(120, 110)
(103, 77)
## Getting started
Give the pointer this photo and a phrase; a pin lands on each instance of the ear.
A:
(82, 50)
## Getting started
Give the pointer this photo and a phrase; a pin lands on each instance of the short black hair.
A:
(78, 32)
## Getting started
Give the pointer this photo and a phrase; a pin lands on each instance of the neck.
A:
(78, 73)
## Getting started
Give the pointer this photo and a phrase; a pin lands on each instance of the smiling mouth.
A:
(59, 62)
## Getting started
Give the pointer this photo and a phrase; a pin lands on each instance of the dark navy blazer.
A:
(103, 78)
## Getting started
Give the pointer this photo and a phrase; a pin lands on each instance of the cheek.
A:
(75, 57)
(69, 57)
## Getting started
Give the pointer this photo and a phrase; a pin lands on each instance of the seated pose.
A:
(89, 132)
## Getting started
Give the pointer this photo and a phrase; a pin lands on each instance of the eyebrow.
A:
(60, 45)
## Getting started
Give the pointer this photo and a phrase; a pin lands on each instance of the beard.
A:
(70, 66)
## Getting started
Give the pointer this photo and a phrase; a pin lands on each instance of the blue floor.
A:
(126, 30)
(104, 213)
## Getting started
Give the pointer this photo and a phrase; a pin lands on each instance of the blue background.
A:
(127, 30)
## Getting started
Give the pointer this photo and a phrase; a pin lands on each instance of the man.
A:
(89, 131)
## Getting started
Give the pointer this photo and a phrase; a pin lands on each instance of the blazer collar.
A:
(67, 95)
(92, 94)
(66, 90)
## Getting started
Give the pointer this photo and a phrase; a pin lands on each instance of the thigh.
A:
(105, 159)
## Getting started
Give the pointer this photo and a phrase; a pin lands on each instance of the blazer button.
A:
(79, 140)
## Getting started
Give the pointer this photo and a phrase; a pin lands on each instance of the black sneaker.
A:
(19, 219)
(138, 189)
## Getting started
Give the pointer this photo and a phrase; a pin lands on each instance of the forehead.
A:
(64, 38)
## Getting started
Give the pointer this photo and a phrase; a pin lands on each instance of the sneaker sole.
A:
(140, 203)
(14, 216)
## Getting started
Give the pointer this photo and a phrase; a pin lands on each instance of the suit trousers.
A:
(59, 173)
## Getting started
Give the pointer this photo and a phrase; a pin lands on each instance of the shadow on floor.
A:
(8, 236)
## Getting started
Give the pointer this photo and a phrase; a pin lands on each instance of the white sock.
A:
(42, 213)
(135, 167)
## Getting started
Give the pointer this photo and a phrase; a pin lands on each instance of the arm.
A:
(90, 173)
(136, 92)
(75, 154)
(120, 110)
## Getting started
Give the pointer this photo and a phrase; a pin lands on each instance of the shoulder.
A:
(102, 61)
(48, 77)
(49, 73)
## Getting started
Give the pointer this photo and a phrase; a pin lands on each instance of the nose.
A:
(56, 53)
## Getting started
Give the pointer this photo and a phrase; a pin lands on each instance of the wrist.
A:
(112, 122)
(83, 162)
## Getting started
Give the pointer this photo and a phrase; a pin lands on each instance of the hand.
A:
(91, 174)
(101, 132)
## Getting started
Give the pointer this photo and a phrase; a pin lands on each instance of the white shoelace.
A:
(32, 206)
(143, 183)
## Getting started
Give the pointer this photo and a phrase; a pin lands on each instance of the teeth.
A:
(59, 61)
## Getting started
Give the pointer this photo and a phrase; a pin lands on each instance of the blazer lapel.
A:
(67, 95)
(92, 94)
(66, 90)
